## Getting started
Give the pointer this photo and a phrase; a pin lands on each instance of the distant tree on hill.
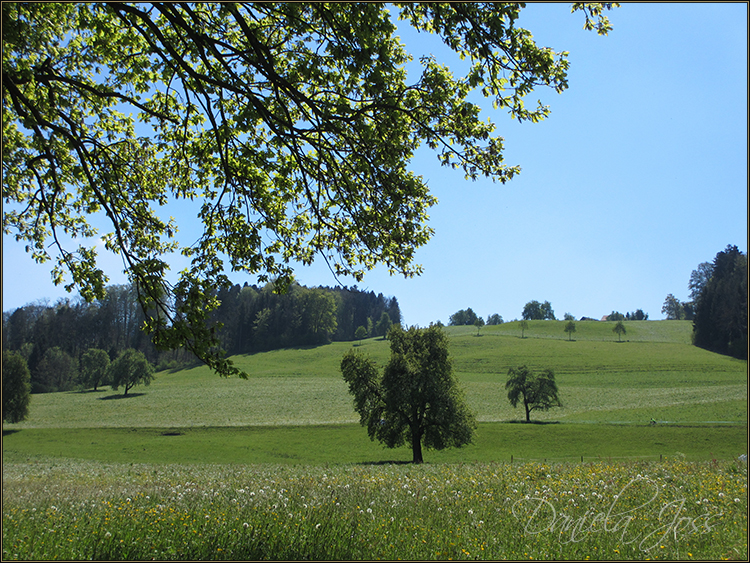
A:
(94, 368)
(672, 308)
(547, 312)
(619, 328)
(534, 391)
(360, 334)
(535, 311)
(479, 323)
(130, 369)
(16, 387)
(524, 325)
(462, 317)
(417, 399)
(615, 316)
(568, 317)
(638, 315)
(494, 319)
(570, 328)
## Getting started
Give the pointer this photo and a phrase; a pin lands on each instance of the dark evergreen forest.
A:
(53, 338)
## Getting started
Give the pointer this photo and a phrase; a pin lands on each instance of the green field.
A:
(296, 398)
(195, 467)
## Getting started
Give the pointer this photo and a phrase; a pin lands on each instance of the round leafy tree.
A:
(131, 368)
(16, 387)
(416, 400)
(534, 391)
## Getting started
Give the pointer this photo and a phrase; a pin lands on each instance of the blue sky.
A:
(638, 176)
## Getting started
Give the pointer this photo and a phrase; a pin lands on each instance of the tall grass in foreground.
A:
(86, 510)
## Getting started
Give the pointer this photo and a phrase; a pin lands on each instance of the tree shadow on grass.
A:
(109, 397)
(386, 462)
(9, 432)
(532, 422)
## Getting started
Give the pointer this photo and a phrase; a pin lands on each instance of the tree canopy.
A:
(291, 126)
(463, 317)
(619, 329)
(536, 311)
(672, 308)
(94, 367)
(131, 368)
(570, 328)
(534, 391)
(417, 399)
(16, 387)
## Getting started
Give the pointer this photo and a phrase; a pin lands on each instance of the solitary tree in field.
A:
(16, 387)
(416, 400)
(570, 328)
(94, 367)
(494, 319)
(524, 325)
(463, 317)
(534, 391)
(535, 311)
(291, 126)
(131, 368)
(673, 308)
(619, 328)
(360, 333)
(479, 323)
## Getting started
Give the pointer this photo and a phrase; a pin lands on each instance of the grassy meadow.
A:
(277, 466)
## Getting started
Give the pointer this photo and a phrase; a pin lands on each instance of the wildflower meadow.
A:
(675, 509)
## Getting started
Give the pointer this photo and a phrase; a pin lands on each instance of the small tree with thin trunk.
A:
(94, 367)
(479, 323)
(524, 326)
(570, 328)
(131, 369)
(619, 328)
(360, 334)
(534, 391)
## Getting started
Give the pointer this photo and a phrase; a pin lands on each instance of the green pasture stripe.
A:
(637, 331)
(348, 443)
(598, 380)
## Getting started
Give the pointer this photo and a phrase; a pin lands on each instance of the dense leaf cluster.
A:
(416, 400)
(291, 126)
(535, 391)
(637, 315)
(469, 317)
(536, 311)
(16, 387)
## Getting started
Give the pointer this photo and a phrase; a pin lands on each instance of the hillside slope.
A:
(654, 374)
